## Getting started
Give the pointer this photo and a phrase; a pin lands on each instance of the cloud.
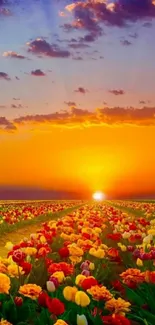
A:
(11, 127)
(135, 35)
(38, 73)
(13, 55)
(5, 12)
(16, 106)
(4, 76)
(82, 42)
(6, 125)
(43, 118)
(117, 92)
(142, 102)
(91, 37)
(75, 117)
(42, 47)
(81, 118)
(70, 104)
(78, 45)
(126, 42)
(135, 116)
(81, 90)
(89, 14)
(77, 58)
(147, 24)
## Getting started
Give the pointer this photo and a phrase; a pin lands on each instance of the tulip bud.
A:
(68, 281)
(81, 320)
(85, 272)
(85, 265)
(50, 286)
(130, 248)
(136, 253)
(139, 262)
(54, 280)
(18, 301)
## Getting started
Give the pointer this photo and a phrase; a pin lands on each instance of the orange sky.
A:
(77, 106)
(117, 160)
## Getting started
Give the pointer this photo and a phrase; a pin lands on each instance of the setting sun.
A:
(98, 196)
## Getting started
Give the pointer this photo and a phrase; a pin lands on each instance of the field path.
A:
(15, 237)
(18, 234)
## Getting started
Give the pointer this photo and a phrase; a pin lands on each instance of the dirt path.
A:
(15, 237)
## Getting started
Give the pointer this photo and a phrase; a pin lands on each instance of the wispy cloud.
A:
(13, 55)
(6, 125)
(42, 47)
(117, 92)
(38, 73)
(126, 42)
(5, 12)
(81, 90)
(70, 104)
(16, 106)
(4, 76)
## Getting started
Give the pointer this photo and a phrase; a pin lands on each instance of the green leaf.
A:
(134, 297)
(22, 323)
(23, 312)
(6, 308)
(148, 316)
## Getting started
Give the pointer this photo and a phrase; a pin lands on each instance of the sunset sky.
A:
(77, 98)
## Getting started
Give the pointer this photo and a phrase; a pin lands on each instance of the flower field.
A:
(94, 265)
(19, 214)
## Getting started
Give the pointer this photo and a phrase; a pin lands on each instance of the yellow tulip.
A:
(9, 246)
(75, 259)
(60, 322)
(59, 275)
(123, 248)
(151, 231)
(99, 253)
(82, 299)
(69, 293)
(43, 239)
(79, 279)
(91, 266)
(139, 262)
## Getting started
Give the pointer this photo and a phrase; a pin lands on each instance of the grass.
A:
(144, 201)
(7, 228)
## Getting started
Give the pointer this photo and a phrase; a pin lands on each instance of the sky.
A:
(77, 98)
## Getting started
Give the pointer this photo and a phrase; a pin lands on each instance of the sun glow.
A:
(98, 196)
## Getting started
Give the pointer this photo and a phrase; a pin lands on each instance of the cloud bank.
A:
(75, 118)
(89, 14)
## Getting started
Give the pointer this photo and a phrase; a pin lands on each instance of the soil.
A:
(16, 237)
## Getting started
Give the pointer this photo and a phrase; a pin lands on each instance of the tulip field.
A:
(77, 263)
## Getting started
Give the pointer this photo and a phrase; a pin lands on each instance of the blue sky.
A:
(130, 68)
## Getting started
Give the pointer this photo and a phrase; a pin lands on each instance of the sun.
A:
(98, 196)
